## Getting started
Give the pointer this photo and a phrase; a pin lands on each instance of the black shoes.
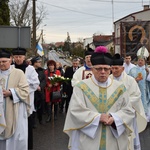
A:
(41, 122)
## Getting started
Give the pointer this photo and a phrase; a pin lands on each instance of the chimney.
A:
(145, 7)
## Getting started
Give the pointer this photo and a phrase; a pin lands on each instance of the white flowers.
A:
(58, 79)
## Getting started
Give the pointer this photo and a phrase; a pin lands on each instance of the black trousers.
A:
(30, 132)
(40, 106)
(67, 103)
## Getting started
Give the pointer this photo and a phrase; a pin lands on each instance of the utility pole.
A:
(112, 15)
(42, 39)
(34, 28)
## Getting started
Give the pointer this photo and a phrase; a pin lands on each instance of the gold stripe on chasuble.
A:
(102, 104)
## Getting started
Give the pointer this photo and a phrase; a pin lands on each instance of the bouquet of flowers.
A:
(57, 78)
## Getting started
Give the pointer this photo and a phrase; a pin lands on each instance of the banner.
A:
(40, 50)
(134, 35)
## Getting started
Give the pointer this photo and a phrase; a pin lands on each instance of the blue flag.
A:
(39, 49)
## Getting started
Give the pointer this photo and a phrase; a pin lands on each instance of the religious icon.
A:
(86, 74)
(140, 76)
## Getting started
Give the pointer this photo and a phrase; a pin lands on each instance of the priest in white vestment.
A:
(19, 55)
(15, 94)
(140, 121)
(2, 117)
(141, 73)
(100, 115)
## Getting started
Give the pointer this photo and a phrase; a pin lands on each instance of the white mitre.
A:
(143, 52)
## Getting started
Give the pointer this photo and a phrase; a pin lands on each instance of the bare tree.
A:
(21, 13)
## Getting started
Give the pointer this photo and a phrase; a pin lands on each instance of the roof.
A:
(102, 38)
(132, 14)
(45, 45)
(58, 44)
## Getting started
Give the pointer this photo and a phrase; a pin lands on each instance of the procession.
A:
(28, 91)
(92, 93)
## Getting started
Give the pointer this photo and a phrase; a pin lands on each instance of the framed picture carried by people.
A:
(86, 74)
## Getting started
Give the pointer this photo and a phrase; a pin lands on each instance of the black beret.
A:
(90, 51)
(19, 51)
(101, 59)
(117, 60)
(5, 53)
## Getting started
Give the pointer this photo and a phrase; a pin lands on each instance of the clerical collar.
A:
(6, 72)
(118, 78)
(87, 67)
(102, 84)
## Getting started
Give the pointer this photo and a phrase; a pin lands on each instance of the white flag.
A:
(39, 49)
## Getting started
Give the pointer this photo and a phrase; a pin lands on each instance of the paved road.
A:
(145, 138)
(50, 136)
(55, 56)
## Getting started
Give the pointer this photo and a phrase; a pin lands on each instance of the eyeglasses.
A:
(3, 62)
(100, 69)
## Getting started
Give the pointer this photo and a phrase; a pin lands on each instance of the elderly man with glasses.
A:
(119, 74)
(19, 55)
(100, 115)
(15, 90)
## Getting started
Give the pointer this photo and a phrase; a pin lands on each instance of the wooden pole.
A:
(34, 28)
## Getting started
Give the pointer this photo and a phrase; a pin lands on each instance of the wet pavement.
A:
(145, 138)
(50, 136)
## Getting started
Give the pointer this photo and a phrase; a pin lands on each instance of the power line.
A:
(118, 1)
(74, 10)
(89, 21)
(111, 17)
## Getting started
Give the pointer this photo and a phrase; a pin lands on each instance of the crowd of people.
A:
(106, 100)
(26, 93)
(106, 110)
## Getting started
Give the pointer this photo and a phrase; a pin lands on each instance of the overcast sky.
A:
(83, 18)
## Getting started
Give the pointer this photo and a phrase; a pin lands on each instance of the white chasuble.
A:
(87, 103)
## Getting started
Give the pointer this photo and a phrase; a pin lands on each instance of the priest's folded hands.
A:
(106, 119)
(6, 93)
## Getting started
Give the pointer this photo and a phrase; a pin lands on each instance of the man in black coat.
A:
(67, 87)
(39, 95)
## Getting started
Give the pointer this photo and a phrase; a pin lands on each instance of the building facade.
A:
(131, 32)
